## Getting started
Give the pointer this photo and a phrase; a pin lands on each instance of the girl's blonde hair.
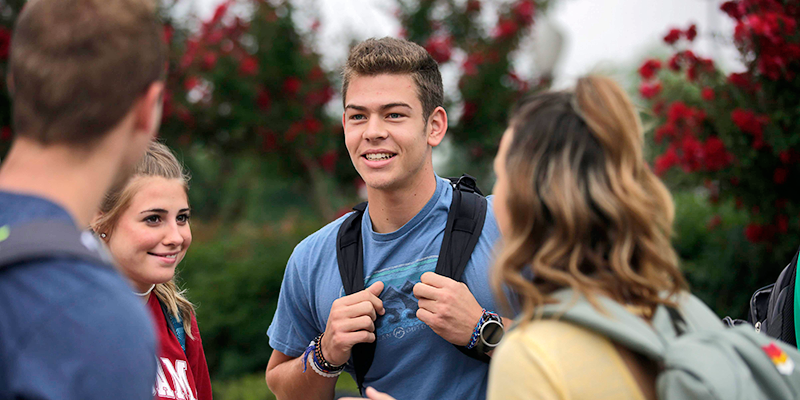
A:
(587, 212)
(157, 162)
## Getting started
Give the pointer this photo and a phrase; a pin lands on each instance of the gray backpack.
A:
(699, 358)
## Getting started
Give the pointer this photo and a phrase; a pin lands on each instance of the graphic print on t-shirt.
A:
(398, 298)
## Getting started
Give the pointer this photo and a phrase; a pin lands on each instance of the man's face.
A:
(385, 131)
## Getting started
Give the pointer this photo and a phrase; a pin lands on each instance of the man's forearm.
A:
(288, 382)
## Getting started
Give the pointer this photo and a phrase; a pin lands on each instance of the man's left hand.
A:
(448, 307)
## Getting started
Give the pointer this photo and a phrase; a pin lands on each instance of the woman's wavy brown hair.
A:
(586, 211)
(158, 161)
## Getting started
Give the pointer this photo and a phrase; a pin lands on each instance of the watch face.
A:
(491, 333)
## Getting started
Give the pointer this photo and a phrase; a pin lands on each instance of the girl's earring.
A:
(103, 235)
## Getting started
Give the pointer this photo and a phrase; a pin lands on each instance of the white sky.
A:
(599, 34)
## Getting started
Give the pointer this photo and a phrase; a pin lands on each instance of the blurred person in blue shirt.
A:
(86, 80)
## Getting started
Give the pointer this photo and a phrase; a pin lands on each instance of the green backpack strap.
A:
(618, 324)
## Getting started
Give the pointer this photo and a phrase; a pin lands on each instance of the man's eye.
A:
(395, 115)
(357, 117)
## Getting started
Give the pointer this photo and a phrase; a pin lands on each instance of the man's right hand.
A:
(351, 321)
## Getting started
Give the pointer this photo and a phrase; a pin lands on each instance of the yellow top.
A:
(550, 359)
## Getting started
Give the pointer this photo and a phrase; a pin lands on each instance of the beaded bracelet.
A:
(318, 362)
(476, 333)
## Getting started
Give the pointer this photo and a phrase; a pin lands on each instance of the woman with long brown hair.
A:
(580, 209)
(145, 224)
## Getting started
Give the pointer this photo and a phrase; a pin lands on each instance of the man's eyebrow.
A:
(383, 107)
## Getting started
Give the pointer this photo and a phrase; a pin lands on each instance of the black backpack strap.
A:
(464, 226)
(45, 239)
(350, 254)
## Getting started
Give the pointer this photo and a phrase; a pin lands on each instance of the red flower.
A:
(692, 153)
(291, 85)
(269, 141)
(673, 36)
(779, 176)
(473, 6)
(648, 90)
(674, 62)
(666, 161)
(679, 111)
(263, 100)
(5, 133)
(691, 33)
(248, 66)
(716, 157)
(741, 80)
(291, 134)
(714, 222)
(524, 10)
(649, 68)
(312, 126)
(666, 130)
(440, 48)
(783, 223)
(209, 61)
(190, 82)
(753, 232)
(749, 122)
(221, 10)
(470, 109)
(505, 28)
(707, 94)
(328, 161)
(168, 32)
(732, 9)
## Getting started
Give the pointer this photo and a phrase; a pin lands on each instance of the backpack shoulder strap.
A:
(464, 226)
(45, 239)
(175, 325)
(350, 255)
(615, 322)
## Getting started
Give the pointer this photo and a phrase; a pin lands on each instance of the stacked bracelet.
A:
(476, 333)
(318, 362)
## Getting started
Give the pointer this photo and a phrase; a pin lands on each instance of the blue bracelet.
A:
(476, 333)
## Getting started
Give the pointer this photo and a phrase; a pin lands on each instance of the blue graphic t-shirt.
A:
(411, 360)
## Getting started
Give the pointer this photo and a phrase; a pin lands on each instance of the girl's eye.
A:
(183, 218)
(152, 219)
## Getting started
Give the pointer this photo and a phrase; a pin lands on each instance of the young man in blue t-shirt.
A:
(86, 80)
(393, 117)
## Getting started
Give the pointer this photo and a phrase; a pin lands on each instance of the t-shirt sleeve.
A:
(520, 370)
(197, 360)
(93, 349)
(293, 325)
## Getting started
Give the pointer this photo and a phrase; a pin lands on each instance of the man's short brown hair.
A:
(78, 66)
(397, 56)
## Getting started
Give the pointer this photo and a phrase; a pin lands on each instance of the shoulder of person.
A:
(94, 327)
(320, 243)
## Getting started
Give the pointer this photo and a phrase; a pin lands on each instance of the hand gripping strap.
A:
(350, 254)
(46, 239)
(464, 226)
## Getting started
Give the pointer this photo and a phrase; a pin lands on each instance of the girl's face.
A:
(500, 190)
(152, 235)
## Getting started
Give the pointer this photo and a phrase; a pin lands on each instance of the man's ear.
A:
(437, 126)
(147, 115)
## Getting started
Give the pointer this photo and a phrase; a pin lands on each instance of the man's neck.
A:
(390, 210)
(75, 180)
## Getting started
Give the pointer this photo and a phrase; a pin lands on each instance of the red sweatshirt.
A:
(182, 376)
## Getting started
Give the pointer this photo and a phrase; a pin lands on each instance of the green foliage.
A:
(488, 84)
(732, 137)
